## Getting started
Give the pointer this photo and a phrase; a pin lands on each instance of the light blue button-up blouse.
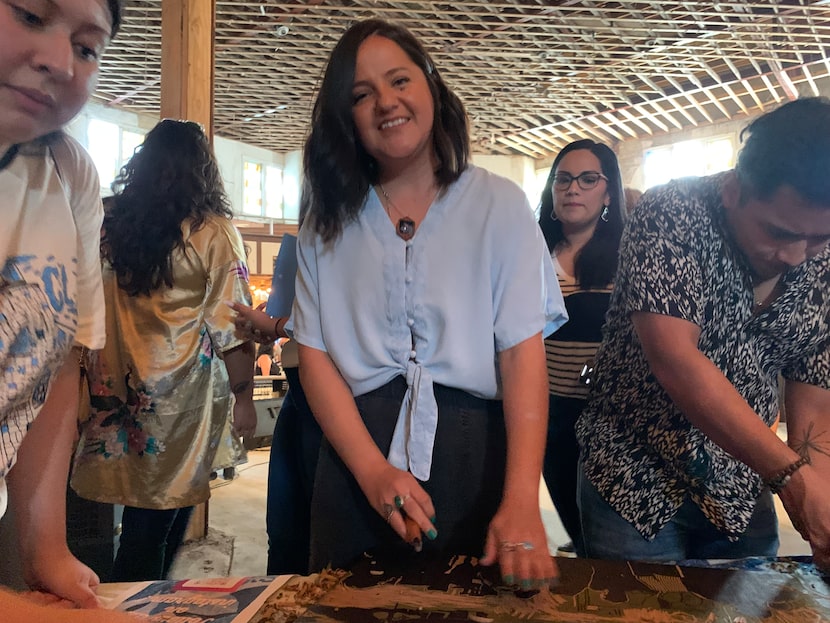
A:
(476, 279)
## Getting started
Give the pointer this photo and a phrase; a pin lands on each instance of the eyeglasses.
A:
(586, 180)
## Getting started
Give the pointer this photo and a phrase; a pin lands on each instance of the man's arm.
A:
(806, 496)
(37, 489)
(705, 396)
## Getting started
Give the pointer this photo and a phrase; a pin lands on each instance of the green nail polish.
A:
(432, 534)
(508, 580)
(527, 584)
(432, 519)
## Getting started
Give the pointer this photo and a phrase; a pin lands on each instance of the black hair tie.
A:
(7, 158)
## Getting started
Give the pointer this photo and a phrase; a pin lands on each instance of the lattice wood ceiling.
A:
(534, 75)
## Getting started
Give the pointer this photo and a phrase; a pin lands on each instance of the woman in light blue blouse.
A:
(423, 292)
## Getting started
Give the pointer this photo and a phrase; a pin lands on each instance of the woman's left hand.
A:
(516, 539)
(244, 418)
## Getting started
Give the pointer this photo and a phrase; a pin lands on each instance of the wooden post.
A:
(187, 55)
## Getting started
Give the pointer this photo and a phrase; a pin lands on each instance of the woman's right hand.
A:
(252, 323)
(398, 497)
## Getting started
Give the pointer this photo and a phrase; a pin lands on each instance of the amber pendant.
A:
(406, 228)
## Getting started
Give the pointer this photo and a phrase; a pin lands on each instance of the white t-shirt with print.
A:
(51, 295)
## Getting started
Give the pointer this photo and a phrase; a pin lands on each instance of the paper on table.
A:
(282, 283)
(218, 600)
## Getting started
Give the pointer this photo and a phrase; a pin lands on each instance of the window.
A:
(263, 190)
(110, 147)
(695, 157)
(252, 194)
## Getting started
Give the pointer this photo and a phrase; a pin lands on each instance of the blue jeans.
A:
(293, 461)
(148, 544)
(689, 534)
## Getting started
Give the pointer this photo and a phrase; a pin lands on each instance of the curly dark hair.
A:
(788, 146)
(596, 263)
(338, 170)
(171, 178)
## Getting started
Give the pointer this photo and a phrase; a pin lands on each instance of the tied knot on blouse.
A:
(414, 435)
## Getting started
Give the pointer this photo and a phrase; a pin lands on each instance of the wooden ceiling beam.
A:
(618, 123)
(627, 114)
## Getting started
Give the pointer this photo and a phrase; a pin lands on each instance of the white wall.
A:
(520, 169)
(292, 178)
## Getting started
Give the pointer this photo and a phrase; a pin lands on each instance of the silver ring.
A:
(509, 546)
(390, 510)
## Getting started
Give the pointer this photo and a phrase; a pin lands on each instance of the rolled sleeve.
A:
(658, 273)
(227, 281)
(88, 213)
(305, 323)
(527, 298)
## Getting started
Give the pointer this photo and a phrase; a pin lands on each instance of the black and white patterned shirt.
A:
(678, 259)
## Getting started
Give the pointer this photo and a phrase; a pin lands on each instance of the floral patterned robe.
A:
(159, 392)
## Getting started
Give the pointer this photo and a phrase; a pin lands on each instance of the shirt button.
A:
(408, 243)
(408, 279)
(412, 354)
(410, 322)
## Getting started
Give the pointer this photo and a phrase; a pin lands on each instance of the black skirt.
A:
(465, 484)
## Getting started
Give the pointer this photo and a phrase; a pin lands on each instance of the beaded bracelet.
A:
(778, 481)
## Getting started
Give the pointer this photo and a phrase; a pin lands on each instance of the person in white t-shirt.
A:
(51, 300)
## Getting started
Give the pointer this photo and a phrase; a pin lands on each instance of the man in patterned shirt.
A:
(724, 284)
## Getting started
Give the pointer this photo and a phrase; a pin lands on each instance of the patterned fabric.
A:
(50, 279)
(576, 342)
(159, 393)
(677, 259)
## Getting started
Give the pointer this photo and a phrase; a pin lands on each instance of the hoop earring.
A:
(553, 216)
(604, 215)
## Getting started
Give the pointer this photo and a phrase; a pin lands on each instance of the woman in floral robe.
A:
(164, 385)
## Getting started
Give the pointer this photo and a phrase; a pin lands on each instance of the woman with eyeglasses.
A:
(581, 215)
(160, 390)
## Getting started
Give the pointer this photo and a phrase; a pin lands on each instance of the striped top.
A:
(577, 341)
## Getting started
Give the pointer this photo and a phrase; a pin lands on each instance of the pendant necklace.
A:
(406, 226)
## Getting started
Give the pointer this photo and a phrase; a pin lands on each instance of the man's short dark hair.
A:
(789, 146)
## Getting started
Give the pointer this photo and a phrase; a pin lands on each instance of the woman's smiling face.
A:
(393, 108)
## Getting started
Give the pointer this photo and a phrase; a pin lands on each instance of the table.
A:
(419, 589)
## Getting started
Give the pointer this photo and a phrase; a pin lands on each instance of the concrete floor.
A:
(237, 542)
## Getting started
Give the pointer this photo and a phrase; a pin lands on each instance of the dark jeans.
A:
(294, 450)
(561, 462)
(148, 544)
(466, 481)
(689, 535)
